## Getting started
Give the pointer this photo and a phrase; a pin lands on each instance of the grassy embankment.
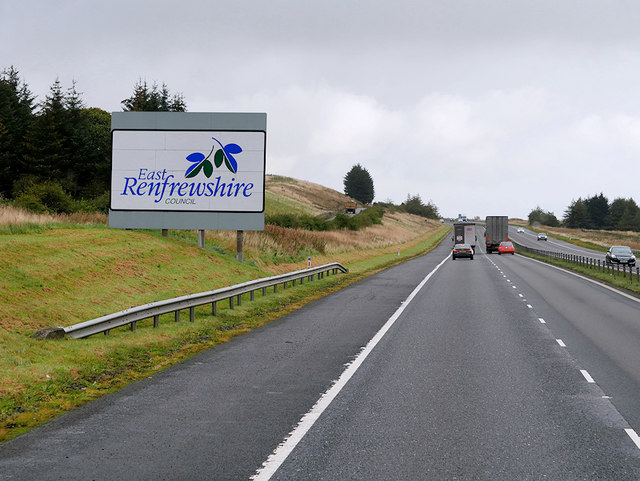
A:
(57, 271)
(599, 240)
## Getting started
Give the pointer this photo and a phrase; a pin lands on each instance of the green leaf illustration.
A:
(207, 168)
(219, 158)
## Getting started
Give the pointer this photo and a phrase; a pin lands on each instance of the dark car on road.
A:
(620, 255)
(462, 250)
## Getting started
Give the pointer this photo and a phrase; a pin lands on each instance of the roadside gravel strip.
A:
(308, 420)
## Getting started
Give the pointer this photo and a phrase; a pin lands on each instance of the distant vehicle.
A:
(464, 233)
(542, 236)
(506, 248)
(620, 255)
(462, 250)
(496, 231)
(350, 207)
(520, 229)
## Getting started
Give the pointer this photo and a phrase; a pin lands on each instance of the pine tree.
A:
(598, 207)
(48, 138)
(577, 215)
(16, 115)
(629, 218)
(358, 184)
(93, 165)
(616, 210)
(154, 99)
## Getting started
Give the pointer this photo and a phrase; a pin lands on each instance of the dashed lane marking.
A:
(634, 437)
(587, 376)
(630, 432)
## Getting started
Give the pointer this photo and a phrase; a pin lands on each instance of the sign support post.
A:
(239, 245)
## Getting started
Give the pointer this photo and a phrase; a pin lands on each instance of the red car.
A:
(506, 248)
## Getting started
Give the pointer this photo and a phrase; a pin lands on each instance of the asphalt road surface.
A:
(494, 368)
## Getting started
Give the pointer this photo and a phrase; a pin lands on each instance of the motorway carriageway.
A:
(494, 368)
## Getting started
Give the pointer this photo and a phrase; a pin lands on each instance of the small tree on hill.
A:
(538, 215)
(358, 184)
(414, 205)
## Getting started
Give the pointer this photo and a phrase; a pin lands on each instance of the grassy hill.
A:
(287, 195)
(61, 270)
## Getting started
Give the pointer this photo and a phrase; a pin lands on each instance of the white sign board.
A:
(188, 171)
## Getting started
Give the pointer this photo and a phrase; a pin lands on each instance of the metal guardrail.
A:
(588, 262)
(156, 309)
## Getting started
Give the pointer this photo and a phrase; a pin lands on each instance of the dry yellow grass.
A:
(10, 215)
(397, 229)
(603, 238)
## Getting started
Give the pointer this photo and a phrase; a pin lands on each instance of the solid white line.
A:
(271, 465)
(634, 437)
(587, 376)
(562, 344)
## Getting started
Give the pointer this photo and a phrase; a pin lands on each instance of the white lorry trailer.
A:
(464, 233)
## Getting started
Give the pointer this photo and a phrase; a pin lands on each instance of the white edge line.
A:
(634, 437)
(275, 460)
(587, 376)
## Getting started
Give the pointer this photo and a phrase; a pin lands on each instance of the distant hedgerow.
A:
(370, 216)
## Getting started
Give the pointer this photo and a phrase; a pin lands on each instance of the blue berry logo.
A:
(224, 155)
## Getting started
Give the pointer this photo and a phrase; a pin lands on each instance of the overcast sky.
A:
(482, 107)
